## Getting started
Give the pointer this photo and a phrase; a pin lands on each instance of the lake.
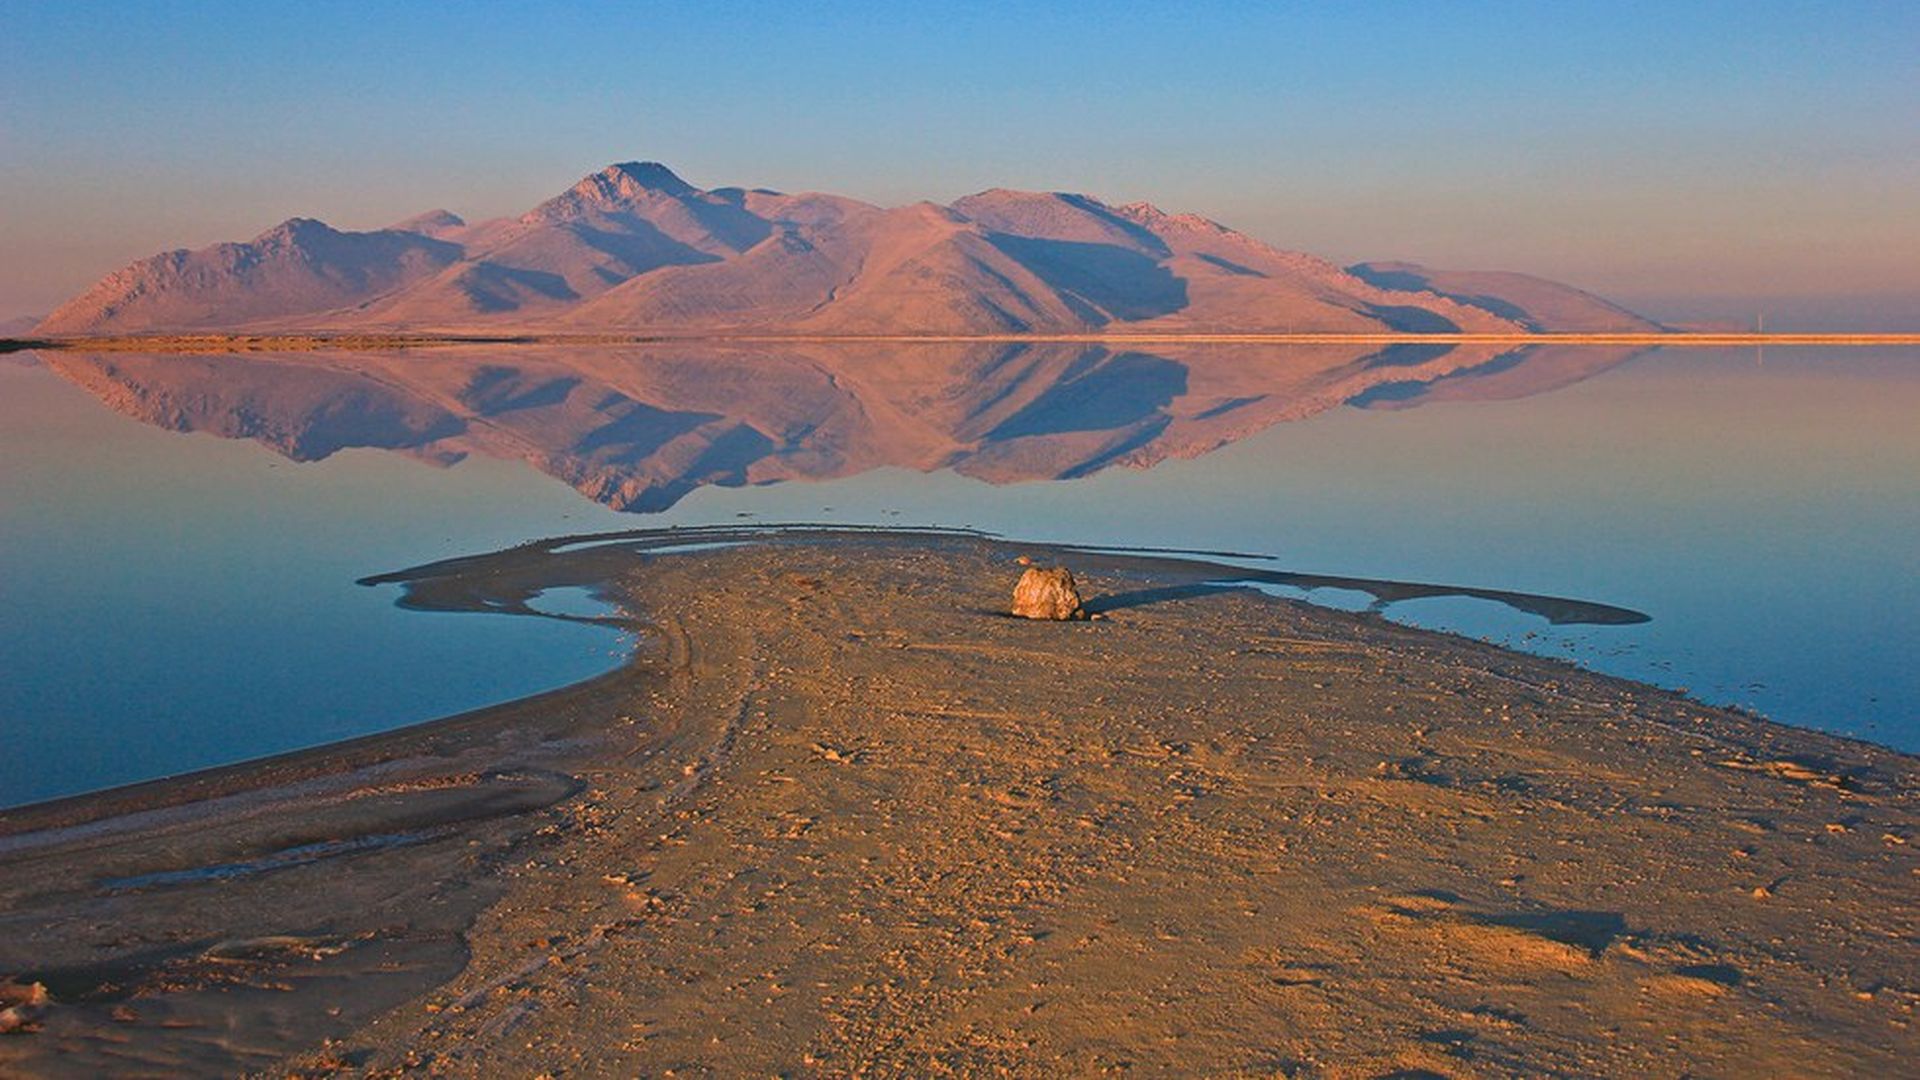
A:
(180, 536)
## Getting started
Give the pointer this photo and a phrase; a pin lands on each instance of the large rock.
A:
(21, 1007)
(1047, 593)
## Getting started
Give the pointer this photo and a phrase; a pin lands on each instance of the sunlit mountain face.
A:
(636, 248)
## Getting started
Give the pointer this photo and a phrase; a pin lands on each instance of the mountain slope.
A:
(299, 266)
(623, 221)
(814, 247)
(636, 248)
(1535, 303)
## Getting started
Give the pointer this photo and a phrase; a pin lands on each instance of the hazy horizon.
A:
(1713, 162)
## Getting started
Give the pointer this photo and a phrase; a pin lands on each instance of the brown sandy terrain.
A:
(840, 816)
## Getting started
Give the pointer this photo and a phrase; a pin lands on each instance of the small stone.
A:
(1047, 593)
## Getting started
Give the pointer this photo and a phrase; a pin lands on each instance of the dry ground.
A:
(841, 817)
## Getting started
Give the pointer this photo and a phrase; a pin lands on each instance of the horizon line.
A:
(297, 341)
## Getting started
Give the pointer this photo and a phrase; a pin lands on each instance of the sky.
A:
(1712, 160)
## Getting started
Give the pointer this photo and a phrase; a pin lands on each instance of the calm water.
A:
(173, 601)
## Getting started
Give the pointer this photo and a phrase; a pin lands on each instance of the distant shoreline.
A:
(317, 341)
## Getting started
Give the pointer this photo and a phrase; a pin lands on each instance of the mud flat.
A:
(839, 815)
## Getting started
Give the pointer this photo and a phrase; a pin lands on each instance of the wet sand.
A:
(839, 815)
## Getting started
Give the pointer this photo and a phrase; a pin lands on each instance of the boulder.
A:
(21, 1007)
(1047, 593)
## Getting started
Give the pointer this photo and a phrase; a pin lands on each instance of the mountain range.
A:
(634, 248)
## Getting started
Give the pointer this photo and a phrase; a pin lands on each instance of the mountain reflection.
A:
(639, 427)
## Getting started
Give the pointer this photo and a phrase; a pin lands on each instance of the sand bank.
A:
(839, 815)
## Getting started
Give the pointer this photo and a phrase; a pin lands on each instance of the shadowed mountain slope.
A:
(635, 248)
(1535, 303)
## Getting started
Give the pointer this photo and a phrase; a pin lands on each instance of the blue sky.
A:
(1731, 154)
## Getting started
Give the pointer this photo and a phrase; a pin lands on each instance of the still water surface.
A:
(175, 601)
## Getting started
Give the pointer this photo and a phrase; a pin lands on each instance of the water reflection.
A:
(173, 603)
(638, 428)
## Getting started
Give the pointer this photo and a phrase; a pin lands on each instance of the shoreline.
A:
(870, 658)
(215, 781)
(320, 340)
(183, 792)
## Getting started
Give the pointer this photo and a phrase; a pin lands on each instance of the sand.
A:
(840, 815)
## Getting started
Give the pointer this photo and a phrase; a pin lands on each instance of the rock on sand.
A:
(1047, 593)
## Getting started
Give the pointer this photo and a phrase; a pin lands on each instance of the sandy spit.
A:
(840, 816)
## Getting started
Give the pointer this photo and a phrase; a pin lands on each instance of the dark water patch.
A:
(1405, 354)
(1118, 391)
(1229, 405)
(506, 581)
(1387, 391)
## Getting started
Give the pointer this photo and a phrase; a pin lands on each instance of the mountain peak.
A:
(434, 223)
(614, 188)
(1150, 215)
(629, 178)
(1058, 215)
(295, 229)
(1004, 194)
(1000, 196)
